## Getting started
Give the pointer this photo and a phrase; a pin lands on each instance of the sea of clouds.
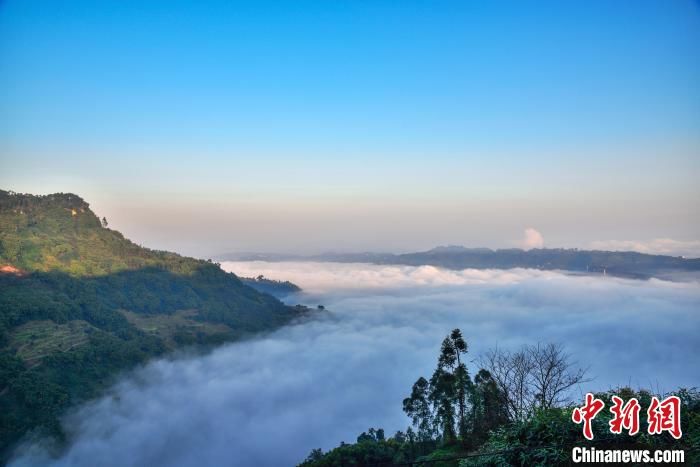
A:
(270, 400)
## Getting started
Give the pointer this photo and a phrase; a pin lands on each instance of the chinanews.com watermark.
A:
(612, 456)
(663, 416)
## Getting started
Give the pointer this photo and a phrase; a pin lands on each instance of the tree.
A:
(314, 455)
(553, 374)
(442, 396)
(418, 408)
(436, 406)
(536, 376)
(510, 371)
(489, 409)
(462, 380)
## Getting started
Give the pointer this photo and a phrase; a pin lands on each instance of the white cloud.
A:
(532, 239)
(329, 378)
(659, 246)
(324, 277)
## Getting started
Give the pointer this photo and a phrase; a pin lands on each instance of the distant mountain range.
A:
(616, 263)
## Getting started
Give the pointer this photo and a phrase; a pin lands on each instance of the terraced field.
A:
(181, 326)
(37, 339)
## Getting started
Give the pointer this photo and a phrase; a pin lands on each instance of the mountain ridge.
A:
(629, 264)
(80, 303)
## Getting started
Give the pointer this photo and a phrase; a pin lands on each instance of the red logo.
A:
(665, 416)
(587, 413)
(662, 416)
(625, 416)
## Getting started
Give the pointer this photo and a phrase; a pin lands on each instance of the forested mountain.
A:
(617, 263)
(79, 302)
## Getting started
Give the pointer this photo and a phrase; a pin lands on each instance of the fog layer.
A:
(270, 400)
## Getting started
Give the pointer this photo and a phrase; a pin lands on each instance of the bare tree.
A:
(536, 376)
(511, 371)
(553, 374)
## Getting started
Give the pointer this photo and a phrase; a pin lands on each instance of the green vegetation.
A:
(59, 232)
(515, 412)
(181, 327)
(79, 303)
(35, 340)
(279, 289)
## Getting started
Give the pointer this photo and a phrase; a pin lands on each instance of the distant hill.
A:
(279, 289)
(617, 263)
(79, 302)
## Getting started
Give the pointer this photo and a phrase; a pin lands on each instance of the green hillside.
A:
(79, 302)
(59, 232)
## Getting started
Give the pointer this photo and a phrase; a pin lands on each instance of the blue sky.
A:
(203, 126)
